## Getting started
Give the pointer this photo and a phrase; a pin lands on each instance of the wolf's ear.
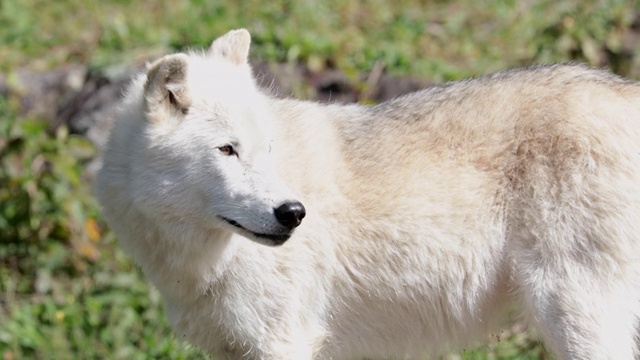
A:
(233, 46)
(166, 87)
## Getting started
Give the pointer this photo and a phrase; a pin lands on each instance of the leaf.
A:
(93, 230)
(31, 128)
(591, 50)
(87, 250)
(80, 148)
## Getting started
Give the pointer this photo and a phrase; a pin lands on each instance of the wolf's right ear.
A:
(166, 87)
(233, 46)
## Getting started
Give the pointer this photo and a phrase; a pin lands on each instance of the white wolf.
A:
(426, 216)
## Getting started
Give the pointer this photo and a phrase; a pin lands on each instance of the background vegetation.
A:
(67, 291)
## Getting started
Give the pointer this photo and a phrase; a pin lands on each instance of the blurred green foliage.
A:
(44, 205)
(440, 40)
(57, 300)
(67, 291)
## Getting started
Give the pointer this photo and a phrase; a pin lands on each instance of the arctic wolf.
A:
(283, 229)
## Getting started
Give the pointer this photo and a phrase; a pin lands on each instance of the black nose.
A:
(290, 214)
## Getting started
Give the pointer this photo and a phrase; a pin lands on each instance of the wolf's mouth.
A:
(276, 239)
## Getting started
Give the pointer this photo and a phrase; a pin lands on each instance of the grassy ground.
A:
(67, 291)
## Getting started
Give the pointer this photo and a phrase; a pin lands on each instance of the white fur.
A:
(427, 217)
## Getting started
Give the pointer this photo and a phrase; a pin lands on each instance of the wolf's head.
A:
(204, 150)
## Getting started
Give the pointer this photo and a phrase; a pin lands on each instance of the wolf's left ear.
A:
(166, 87)
(233, 46)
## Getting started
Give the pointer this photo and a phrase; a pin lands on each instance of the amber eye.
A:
(227, 150)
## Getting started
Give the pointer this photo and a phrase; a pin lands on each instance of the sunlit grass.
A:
(435, 39)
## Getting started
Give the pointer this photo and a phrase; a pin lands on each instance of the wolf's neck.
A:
(186, 258)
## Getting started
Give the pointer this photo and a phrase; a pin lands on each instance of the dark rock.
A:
(90, 110)
(332, 86)
(282, 80)
(389, 87)
(40, 93)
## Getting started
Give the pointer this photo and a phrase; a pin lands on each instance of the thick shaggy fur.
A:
(428, 216)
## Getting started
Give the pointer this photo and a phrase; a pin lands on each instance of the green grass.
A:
(439, 40)
(67, 291)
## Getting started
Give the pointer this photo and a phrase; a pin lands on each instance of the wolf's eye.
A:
(227, 150)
